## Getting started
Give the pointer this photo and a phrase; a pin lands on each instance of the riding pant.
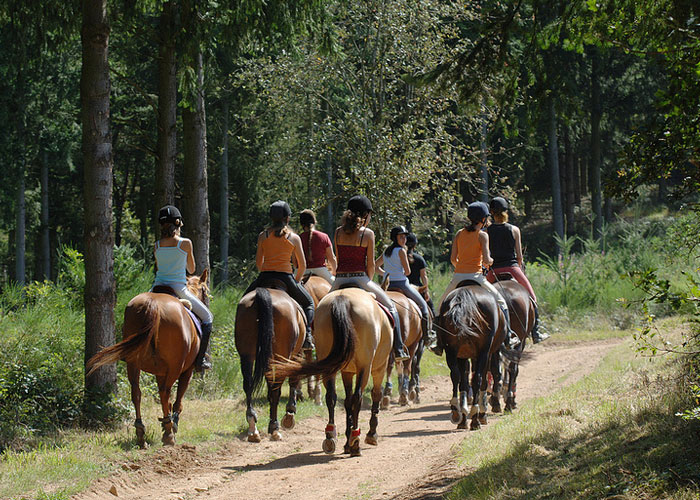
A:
(323, 272)
(198, 307)
(294, 289)
(413, 294)
(518, 275)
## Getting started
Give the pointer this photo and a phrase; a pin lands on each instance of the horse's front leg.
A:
(371, 437)
(386, 395)
(455, 408)
(495, 400)
(414, 385)
(250, 415)
(164, 388)
(403, 382)
(331, 433)
(291, 409)
(274, 391)
(183, 383)
(133, 373)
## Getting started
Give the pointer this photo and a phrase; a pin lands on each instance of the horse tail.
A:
(344, 342)
(266, 329)
(132, 347)
(464, 313)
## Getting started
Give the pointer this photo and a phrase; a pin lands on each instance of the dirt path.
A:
(414, 459)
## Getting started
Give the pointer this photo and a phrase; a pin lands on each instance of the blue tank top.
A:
(393, 267)
(172, 265)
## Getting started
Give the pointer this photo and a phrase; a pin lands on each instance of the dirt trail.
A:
(413, 460)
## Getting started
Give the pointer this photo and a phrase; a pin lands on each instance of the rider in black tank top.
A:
(502, 245)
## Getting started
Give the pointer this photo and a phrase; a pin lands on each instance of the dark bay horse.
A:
(522, 321)
(353, 335)
(269, 323)
(412, 333)
(318, 288)
(471, 327)
(159, 337)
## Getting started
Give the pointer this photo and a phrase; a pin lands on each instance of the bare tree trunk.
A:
(596, 111)
(45, 230)
(569, 162)
(97, 164)
(21, 228)
(167, 109)
(196, 203)
(576, 180)
(484, 188)
(223, 200)
(558, 216)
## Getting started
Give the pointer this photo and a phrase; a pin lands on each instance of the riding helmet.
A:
(498, 205)
(477, 211)
(279, 210)
(360, 204)
(307, 217)
(396, 231)
(169, 213)
(411, 240)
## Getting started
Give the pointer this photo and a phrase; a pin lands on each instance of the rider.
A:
(276, 245)
(397, 268)
(174, 259)
(354, 243)
(506, 248)
(318, 248)
(470, 251)
(419, 270)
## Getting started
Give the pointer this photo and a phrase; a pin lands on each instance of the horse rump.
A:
(463, 312)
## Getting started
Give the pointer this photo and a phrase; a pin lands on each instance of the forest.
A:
(584, 115)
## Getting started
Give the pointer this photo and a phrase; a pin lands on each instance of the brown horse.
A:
(318, 288)
(522, 321)
(353, 335)
(471, 327)
(159, 337)
(269, 323)
(412, 333)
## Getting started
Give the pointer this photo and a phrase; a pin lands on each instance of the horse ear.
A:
(204, 276)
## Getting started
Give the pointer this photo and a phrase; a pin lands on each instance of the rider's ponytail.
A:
(350, 222)
(168, 229)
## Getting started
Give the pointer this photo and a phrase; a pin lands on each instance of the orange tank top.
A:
(468, 252)
(277, 254)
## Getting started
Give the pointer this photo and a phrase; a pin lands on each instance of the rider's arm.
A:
(453, 255)
(424, 280)
(299, 255)
(378, 263)
(370, 253)
(518, 246)
(186, 245)
(330, 258)
(485, 253)
(403, 257)
(259, 252)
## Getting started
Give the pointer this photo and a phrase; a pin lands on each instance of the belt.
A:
(350, 275)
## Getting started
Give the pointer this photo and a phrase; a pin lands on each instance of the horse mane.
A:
(464, 313)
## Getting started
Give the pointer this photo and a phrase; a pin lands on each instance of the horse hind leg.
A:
(164, 389)
(250, 415)
(182, 384)
(331, 440)
(291, 408)
(371, 437)
(273, 428)
(133, 373)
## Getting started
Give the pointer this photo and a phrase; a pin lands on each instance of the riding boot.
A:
(203, 361)
(436, 347)
(537, 335)
(400, 352)
(309, 339)
(512, 341)
(428, 332)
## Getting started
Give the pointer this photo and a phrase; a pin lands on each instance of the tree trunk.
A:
(576, 179)
(596, 111)
(484, 187)
(557, 215)
(583, 167)
(223, 200)
(167, 110)
(97, 165)
(45, 230)
(570, 199)
(196, 203)
(21, 226)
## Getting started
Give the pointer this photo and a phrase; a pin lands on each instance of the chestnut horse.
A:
(269, 323)
(412, 334)
(471, 327)
(318, 288)
(353, 335)
(159, 337)
(522, 321)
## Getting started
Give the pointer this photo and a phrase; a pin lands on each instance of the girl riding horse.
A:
(318, 248)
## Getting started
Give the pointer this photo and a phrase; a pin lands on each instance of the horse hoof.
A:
(329, 446)
(355, 451)
(371, 440)
(169, 439)
(462, 424)
(254, 437)
(475, 425)
(403, 399)
(482, 419)
(412, 395)
(276, 436)
(385, 402)
(455, 416)
(417, 400)
(288, 421)
(346, 449)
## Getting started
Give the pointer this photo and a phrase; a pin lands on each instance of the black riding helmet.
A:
(396, 231)
(498, 205)
(477, 211)
(411, 240)
(360, 204)
(170, 214)
(279, 210)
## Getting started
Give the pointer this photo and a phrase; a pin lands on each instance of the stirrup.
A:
(205, 364)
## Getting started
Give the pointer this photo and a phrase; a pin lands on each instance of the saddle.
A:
(185, 303)
(467, 283)
(374, 296)
(504, 276)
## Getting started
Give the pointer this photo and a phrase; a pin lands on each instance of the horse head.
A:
(198, 285)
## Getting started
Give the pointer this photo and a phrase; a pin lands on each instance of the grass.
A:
(613, 434)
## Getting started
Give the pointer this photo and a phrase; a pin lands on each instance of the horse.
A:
(159, 337)
(471, 327)
(318, 288)
(522, 321)
(353, 335)
(411, 331)
(269, 323)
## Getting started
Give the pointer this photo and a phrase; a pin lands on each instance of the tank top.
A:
(277, 253)
(468, 252)
(316, 255)
(393, 267)
(502, 245)
(172, 265)
(352, 258)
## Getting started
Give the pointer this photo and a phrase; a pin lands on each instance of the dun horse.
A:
(471, 327)
(159, 337)
(410, 318)
(353, 335)
(269, 323)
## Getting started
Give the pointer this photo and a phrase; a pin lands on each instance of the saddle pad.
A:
(196, 321)
(467, 283)
(386, 311)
